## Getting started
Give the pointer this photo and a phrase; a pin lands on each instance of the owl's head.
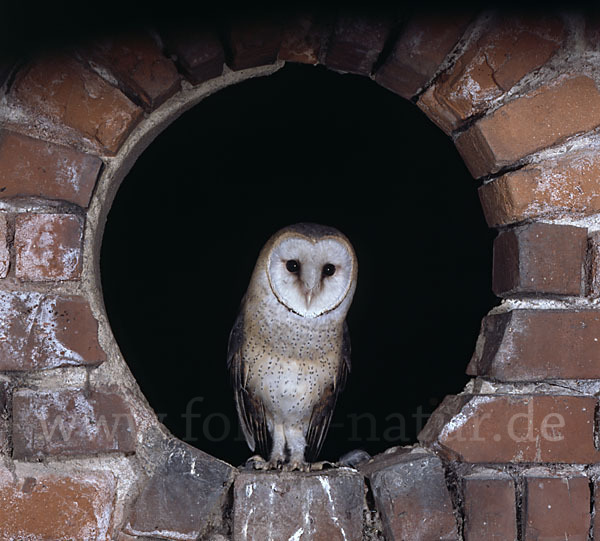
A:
(311, 269)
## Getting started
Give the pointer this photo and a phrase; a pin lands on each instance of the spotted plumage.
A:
(289, 349)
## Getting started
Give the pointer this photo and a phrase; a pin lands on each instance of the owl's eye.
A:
(328, 269)
(292, 265)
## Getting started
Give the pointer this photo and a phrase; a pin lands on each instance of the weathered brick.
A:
(145, 75)
(514, 428)
(532, 345)
(510, 49)
(69, 423)
(39, 331)
(48, 246)
(184, 497)
(412, 497)
(490, 510)
(356, 42)
(63, 90)
(542, 118)
(594, 265)
(540, 259)
(4, 250)
(31, 167)
(569, 184)
(252, 42)
(425, 40)
(275, 505)
(198, 51)
(52, 506)
(556, 507)
(4, 419)
(303, 38)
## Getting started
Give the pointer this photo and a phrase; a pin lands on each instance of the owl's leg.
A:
(277, 457)
(296, 444)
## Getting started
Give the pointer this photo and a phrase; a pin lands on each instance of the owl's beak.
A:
(308, 295)
(310, 285)
(309, 291)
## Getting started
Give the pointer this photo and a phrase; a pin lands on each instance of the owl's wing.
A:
(323, 411)
(250, 409)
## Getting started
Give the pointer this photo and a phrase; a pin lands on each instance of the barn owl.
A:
(289, 349)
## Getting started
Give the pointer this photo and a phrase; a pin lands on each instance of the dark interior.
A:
(305, 144)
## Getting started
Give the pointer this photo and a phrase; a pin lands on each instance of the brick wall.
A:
(511, 457)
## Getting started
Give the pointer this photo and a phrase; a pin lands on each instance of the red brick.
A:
(145, 75)
(70, 423)
(63, 90)
(356, 42)
(514, 428)
(184, 497)
(594, 265)
(4, 250)
(4, 420)
(566, 185)
(510, 49)
(540, 259)
(303, 39)
(412, 497)
(556, 507)
(52, 506)
(252, 42)
(540, 119)
(198, 51)
(31, 167)
(532, 345)
(48, 246)
(490, 510)
(595, 487)
(424, 42)
(319, 505)
(39, 332)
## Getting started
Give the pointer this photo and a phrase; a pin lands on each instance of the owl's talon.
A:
(318, 466)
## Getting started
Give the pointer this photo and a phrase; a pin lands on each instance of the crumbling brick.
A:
(540, 259)
(424, 41)
(542, 118)
(48, 246)
(303, 38)
(533, 345)
(411, 496)
(70, 423)
(252, 42)
(556, 187)
(514, 429)
(184, 497)
(357, 42)
(145, 75)
(198, 51)
(273, 505)
(510, 49)
(62, 89)
(39, 332)
(31, 167)
(54, 506)
(4, 250)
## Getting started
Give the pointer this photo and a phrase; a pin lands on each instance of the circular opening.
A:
(305, 144)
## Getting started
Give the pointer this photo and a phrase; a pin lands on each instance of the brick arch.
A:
(518, 96)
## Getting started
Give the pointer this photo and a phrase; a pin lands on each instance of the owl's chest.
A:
(289, 388)
(290, 367)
